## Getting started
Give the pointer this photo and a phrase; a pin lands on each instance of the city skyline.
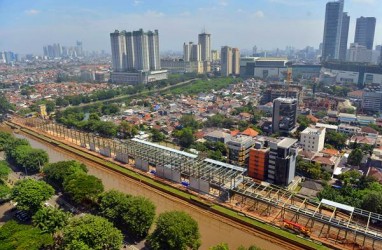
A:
(233, 23)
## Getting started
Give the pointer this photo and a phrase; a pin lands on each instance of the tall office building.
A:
(284, 115)
(226, 61)
(282, 161)
(344, 36)
(235, 61)
(78, 49)
(195, 52)
(335, 35)
(364, 31)
(204, 40)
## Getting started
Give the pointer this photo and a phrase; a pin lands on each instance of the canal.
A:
(213, 229)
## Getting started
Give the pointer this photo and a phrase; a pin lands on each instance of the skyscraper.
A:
(186, 51)
(226, 61)
(334, 32)
(135, 51)
(344, 36)
(364, 31)
(230, 61)
(284, 115)
(204, 40)
(235, 61)
(195, 52)
(135, 57)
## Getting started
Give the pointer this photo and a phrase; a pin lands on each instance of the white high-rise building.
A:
(187, 51)
(313, 139)
(226, 61)
(195, 55)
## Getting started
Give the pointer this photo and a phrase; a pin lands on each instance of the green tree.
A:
(127, 130)
(29, 194)
(5, 191)
(56, 173)
(338, 140)
(31, 159)
(221, 246)
(372, 201)
(185, 137)
(23, 237)
(91, 232)
(82, 188)
(189, 121)
(175, 230)
(50, 219)
(355, 157)
(5, 170)
(157, 136)
(111, 204)
(135, 215)
(5, 106)
(5, 139)
(139, 216)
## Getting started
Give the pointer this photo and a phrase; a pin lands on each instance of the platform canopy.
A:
(337, 205)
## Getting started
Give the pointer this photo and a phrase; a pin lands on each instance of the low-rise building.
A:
(258, 161)
(238, 150)
(328, 127)
(348, 129)
(347, 118)
(218, 136)
(313, 139)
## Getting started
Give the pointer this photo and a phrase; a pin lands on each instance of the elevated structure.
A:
(325, 220)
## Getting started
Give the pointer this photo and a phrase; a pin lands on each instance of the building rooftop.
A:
(328, 126)
(286, 100)
(310, 130)
(346, 115)
(287, 142)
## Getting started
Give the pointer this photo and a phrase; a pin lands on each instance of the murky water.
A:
(213, 231)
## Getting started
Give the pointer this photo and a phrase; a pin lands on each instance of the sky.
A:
(27, 25)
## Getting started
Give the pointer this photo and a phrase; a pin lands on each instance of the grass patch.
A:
(203, 86)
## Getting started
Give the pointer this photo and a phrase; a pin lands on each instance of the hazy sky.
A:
(27, 25)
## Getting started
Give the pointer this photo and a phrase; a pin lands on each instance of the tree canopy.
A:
(175, 230)
(355, 157)
(338, 140)
(5, 170)
(29, 194)
(56, 173)
(91, 232)
(134, 215)
(23, 237)
(185, 137)
(30, 158)
(50, 219)
(82, 188)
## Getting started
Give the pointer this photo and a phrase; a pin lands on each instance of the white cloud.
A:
(259, 14)
(223, 3)
(137, 2)
(154, 13)
(293, 2)
(32, 12)
(364, 1)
